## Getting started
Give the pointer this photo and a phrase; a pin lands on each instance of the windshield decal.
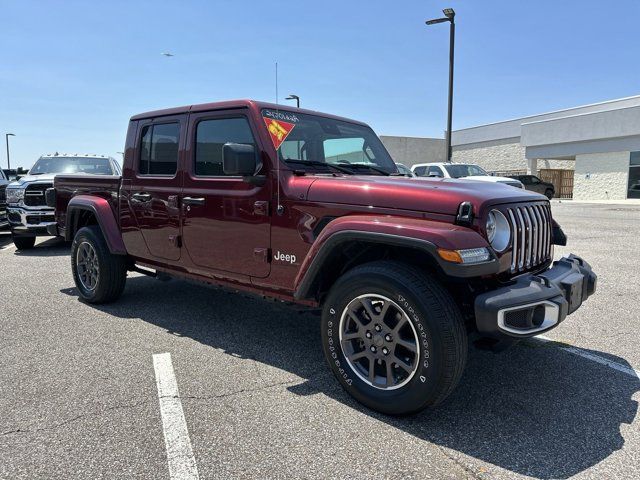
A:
(278, 130)
(280, 115)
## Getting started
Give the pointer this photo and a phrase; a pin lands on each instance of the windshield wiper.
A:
(319, 164)
(370, 167)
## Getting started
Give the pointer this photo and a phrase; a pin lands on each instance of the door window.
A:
(420, 171)
(434, 171)
(159, 149)
(211, 135)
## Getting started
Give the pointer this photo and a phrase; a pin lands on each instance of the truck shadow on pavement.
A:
(533, 410)
(52, 247)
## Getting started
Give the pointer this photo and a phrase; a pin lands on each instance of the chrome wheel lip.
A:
(341, 331)
(87, 266)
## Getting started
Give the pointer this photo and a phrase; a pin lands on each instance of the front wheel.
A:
(98, 274)
(394, 337)
(548, 193)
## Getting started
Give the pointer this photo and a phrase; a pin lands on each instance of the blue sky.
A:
(73, 72)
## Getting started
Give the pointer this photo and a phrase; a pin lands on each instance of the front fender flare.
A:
(105, 217)
(425, 235)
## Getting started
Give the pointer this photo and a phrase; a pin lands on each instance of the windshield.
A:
(319, 141)
(96, 166)
(459, 171)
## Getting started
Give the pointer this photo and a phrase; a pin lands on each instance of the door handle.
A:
(141, 197)
(193, 200)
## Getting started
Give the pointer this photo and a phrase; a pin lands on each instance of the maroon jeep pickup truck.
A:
(309, 208)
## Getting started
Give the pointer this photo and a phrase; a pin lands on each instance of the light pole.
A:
(449, 16)
(294, 97)
(6, 137)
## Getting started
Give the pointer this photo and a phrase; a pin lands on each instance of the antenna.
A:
(279, 207)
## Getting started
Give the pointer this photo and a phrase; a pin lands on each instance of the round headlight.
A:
(498, 230)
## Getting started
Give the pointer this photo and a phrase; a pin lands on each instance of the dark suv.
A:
(533, 183)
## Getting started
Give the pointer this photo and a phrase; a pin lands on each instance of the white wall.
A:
(608, 176)
(499, 156)
(493, 156)
(556, 164)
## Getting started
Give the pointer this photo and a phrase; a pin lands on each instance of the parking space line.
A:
(591, 356)
(182, 463)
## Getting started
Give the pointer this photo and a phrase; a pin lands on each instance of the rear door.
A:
(154, 190)
(226, 223)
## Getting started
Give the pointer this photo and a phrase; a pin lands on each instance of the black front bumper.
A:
(535, 303)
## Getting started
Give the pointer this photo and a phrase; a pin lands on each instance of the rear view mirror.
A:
(239, 159)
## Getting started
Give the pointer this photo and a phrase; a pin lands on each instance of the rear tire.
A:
(24, 243)
(99, 275)
(405, 324)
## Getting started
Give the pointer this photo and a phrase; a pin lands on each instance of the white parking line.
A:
(592, 356)
(182, 463)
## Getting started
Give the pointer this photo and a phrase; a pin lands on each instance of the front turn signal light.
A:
(466, 256)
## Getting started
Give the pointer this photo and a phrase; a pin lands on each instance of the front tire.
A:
(99, 275)
(24, 243)
(548, 193)
(394, 337)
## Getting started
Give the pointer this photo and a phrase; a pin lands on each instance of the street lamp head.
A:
(449, 13)
(294, 97)
(436, 20)
(10, 134)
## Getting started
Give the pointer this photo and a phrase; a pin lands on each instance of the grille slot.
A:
(530, 235)
(3, 194)
(34, 195)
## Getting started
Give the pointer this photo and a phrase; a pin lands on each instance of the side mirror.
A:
(239, 159)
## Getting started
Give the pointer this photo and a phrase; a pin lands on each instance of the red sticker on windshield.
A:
(278, 130)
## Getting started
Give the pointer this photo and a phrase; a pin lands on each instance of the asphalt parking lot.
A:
(78, 393)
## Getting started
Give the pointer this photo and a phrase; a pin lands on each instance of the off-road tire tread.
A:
(439, 304)
(113, 268)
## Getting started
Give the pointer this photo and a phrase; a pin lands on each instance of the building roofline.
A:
(550, 113)
(412, 137)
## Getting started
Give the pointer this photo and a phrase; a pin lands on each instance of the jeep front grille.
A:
(530, 236)
(34, 195)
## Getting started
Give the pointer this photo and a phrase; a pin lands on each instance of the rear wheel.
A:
(24, 243)
(394, 337)
(98, 274)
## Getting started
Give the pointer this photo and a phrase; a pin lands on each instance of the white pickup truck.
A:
(460, 170)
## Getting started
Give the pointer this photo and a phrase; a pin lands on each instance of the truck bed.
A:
(69, 186)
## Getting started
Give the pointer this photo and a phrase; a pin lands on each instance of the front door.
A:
(226, 223)
(154, 191)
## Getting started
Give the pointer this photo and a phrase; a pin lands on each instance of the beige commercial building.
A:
(590, 152)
